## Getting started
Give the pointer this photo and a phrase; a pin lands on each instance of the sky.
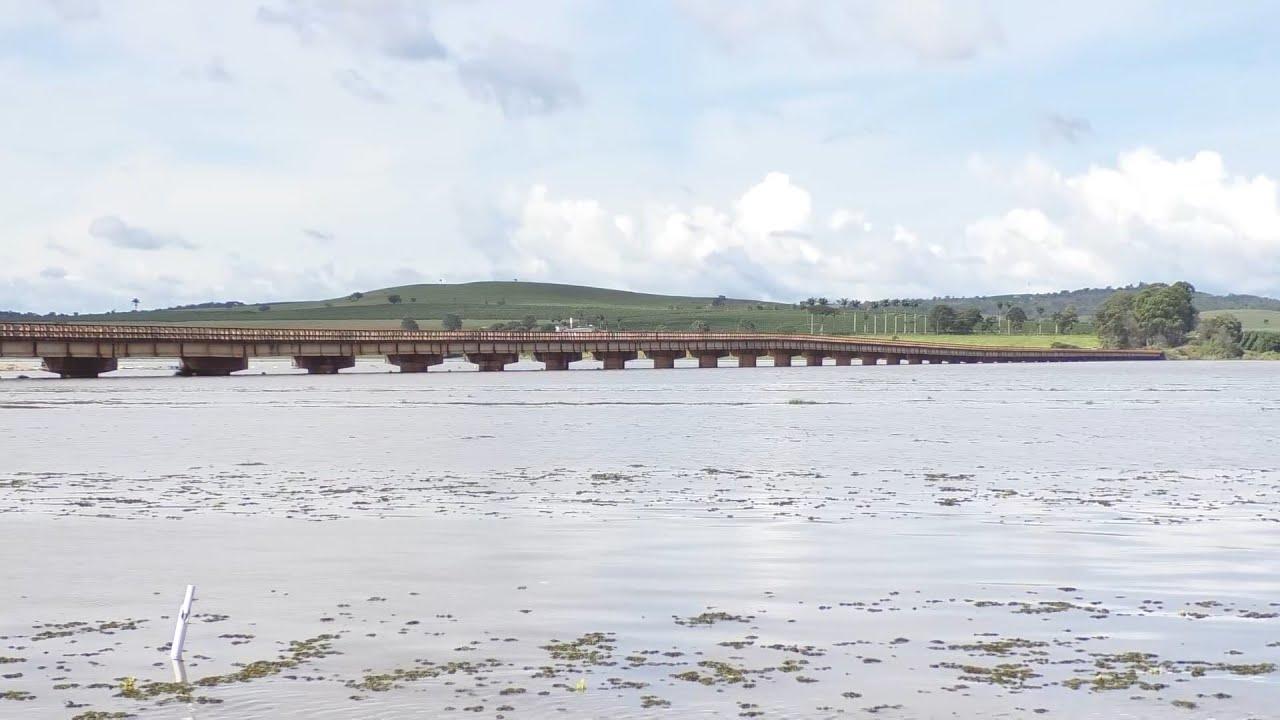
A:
(183, 152)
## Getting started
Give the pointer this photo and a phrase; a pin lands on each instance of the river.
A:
(1090, 540)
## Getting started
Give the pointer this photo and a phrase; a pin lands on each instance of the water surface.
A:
(1077, 540)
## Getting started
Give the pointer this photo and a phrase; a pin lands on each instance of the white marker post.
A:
(180, 631)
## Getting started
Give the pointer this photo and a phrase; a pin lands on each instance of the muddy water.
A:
(1088, 540)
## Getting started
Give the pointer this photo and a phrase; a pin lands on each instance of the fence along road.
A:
(83, 350)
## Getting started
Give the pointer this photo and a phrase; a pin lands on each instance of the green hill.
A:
(482, 304)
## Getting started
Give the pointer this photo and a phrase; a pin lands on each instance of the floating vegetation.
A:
(711, 618)
(49, 631)
(590, 649)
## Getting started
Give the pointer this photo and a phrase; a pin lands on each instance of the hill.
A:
(482, 304)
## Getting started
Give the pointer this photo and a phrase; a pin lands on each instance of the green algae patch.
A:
(425, 670)
(590, 649)
(1007, 674)
(16, 695)
(711, 618)
(298, 652)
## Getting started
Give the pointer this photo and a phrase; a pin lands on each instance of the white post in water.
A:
(180, 630)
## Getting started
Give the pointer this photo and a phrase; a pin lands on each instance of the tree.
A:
(966, 321)
(718, 301)
(1221, 335)
(451, 322)
(942, 318)
(355, 296)
(747, 325)
(700, 326)
(1067, 319)
(409, 324)
(135, 302)
(1115, 323)
(1157, 314)
(394, 299)
(1016, 317)
(529, 322)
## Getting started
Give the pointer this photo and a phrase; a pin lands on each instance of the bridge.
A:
(84, 350)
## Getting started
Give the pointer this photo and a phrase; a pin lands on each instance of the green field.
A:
(1251, 319)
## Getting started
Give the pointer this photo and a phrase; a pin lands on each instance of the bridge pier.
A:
(663, 359)
(492, 362)
(710, 359)
(842, 358)
(914, 359)
(323, 364)
(892, 359)
(211, 366)
(614, 360)
(781, 358)
(812, 358)
(747, 359)
(79, 367)
(869, 358)
(414, 363)
(557, 360)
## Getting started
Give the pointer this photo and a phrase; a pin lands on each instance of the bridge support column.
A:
(79, 367)
(710, 359)
(492, 362)
(323, 364)
(843, 358)
(557, 360)
(614, 360)
(781, 358)
(812, 358)
(211, 366)
(663, 359)
(892, 359)
(747, 359)
(914, 359)
(869, 358)
(414, 363)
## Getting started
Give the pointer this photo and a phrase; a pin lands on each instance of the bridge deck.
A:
(122, 341)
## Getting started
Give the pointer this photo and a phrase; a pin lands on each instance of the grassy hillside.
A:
(1252, 319)
(483, 304)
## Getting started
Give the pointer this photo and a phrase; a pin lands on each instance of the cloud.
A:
(358, 85)
(75, 10)
(398, 29)
(1062, 127)
(1146, 218)
(53, 273)
(122, 235)
(927, 30)
(522, 79)
(318, 235)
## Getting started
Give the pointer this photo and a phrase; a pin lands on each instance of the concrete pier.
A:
(663, 360)
(211, 366)
(746, 359)
(710, 359)
(493, 361)
(781, 358)
(79, 367)
(613, 359)
(414, 363)
(813, 358)
(842, 358)
(323, 364)
(557, 360)
(868, 358)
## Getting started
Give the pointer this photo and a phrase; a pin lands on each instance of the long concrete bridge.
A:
(74, 350)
